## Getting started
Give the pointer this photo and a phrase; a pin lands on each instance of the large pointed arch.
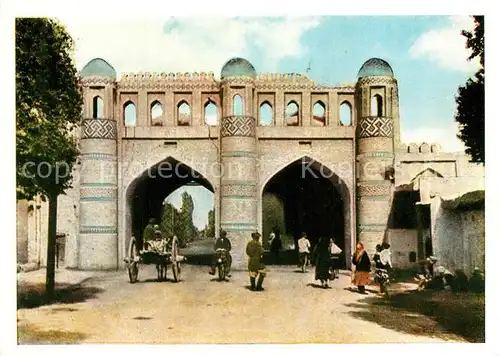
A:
(329, 182)
(145, 194)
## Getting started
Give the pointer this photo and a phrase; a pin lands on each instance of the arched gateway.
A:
(309, 165)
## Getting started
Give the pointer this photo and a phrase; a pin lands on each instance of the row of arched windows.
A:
(210, 114)
(266, 115)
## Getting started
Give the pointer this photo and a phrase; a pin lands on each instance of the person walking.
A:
(304, 250)
(361, 267)
(322, 261)
(256, 268)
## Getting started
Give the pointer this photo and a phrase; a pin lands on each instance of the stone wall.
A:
(22, 231)
(403, 242)
(458, 237)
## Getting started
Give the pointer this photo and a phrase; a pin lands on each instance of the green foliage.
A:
(179, 222)
(210, 229)
(48, 108)
(170, 215)
(470, 98)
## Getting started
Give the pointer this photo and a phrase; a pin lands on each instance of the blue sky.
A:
(427, 54)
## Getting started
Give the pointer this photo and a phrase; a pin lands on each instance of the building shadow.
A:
(32, 295)
(430, 313)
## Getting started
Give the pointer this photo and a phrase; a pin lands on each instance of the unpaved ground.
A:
(199, 309)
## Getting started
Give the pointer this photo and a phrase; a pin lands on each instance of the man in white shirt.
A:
(304, 250)
(385, 255)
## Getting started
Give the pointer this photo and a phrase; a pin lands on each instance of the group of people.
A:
(325, 257)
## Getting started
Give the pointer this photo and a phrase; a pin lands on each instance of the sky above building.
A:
(426, 53)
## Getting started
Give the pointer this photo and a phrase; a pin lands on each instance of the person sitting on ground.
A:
(256, 267)
(222, 243)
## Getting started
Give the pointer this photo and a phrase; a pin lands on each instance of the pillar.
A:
(375, 159)
(98, 239)
(238, 156)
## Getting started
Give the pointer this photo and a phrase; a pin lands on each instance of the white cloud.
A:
(445, 136)
(446, 45)
(186, 44)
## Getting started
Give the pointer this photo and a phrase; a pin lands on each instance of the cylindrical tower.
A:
(238, 155)
(97, 243)
(377, 108)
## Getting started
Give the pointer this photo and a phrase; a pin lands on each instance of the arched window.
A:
(237, 105)
(97, 107)
(210, 113)
(377, 105)
(292, 114)
(345, 114)
(266, 114)
(319, 111)
(183, 114)
(129, 114)
(156, 113)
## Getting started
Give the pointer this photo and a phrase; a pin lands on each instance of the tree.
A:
(210, 229)
(188, 230)
(48, 109)
(470, 99)
(169, 219)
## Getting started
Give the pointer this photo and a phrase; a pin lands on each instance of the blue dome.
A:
(238, 67)
(375, 67)
(98, 67)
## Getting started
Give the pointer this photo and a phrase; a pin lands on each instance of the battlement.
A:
(167, 80)
(423, 147)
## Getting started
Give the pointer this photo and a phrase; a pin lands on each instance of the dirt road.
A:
(199, 309)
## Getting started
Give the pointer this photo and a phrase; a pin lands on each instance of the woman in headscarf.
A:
(361, 263)
(322, 261)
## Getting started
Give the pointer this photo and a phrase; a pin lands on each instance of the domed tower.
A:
(238, 156)
(98, 244)
(377, 134)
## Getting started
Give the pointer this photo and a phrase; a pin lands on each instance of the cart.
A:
(162, 260)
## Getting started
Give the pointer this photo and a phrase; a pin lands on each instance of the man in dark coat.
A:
(222, 243)
(256, 268)
(149, 232)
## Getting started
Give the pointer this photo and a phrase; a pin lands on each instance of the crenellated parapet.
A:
(423, 147)
(166, 81)
(96, 80)
(294, 81)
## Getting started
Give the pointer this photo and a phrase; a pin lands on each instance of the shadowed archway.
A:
(306, 196)
(147, 192)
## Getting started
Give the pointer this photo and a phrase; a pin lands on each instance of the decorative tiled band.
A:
(239, 182)
(98, 230)
(238, 154)
(99, 128)
(238, 190)
(97, 156)
(239, 226)
(373, 189)
(374, 126)
(372, 227)
(238, 126)
(375, 154)
(98, 193)
(374, 197)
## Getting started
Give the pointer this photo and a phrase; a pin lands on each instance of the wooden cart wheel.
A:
(133, 262)
(176, 266)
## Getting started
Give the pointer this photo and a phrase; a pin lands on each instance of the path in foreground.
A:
(201, 310)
